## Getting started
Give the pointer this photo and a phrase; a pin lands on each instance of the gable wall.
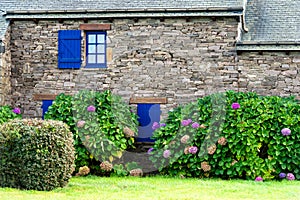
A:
(173, 58)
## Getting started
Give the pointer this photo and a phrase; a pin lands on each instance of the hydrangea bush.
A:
(104, 123)
(101, 122)
(231, 135)
(7, 113)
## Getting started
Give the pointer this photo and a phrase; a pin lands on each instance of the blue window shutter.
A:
(69, 49)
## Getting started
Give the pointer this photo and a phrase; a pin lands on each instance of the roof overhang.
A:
(108, 13)
(268, 46)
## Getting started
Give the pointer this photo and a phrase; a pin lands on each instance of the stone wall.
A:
(179, 59)
(5, 72)
(270, 73)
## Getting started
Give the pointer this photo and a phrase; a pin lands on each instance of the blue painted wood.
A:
(45, 106)
(69, 49)
(148, 114)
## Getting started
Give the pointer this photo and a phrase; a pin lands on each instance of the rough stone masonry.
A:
(179, 59)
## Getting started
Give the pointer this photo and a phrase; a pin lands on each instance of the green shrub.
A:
(102, 122)
(62, 110)
(7, 113)
(35, 154)
(220, 141)
(103, 132)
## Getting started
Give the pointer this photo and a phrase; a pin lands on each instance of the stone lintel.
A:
(41, 97)
(150, 100)
(95, 27)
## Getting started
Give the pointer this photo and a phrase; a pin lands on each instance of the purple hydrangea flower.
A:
(290, 176)
(195, 125)
(150, 150)
(167, 153)
(162, 125)
(235, 106)
(80, 123)
(286, 131)
(186, 122)
(282, 175)
(259, 178)
(155, 125)
(193, 150)
(91, 108)
(17, 111)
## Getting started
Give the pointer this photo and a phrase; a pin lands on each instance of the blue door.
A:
(45, 106)
(148, 114)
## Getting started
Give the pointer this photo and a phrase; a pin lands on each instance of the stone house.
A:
(156, 54)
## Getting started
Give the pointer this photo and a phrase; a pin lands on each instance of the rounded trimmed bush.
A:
(35, 154)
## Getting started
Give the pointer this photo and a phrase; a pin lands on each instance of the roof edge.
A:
(203, 9)
(268, 46)
(268, 43)
(125, 15)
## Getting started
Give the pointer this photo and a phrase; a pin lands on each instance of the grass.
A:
(155, 188)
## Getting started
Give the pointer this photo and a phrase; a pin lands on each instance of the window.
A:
(95, 49)
(70, 52)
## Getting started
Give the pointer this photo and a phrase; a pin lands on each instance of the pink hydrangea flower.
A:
(286, 131)
(235, 106)
(193, 150)
(80, 123)
(155, 125)
(184, 139)
(17, 111)
(290, 176)
(195, 125)
(186, 122)
(91, 108)
(167, 153)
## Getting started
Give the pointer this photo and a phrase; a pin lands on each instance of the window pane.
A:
(91, 59)
(100, 58)
(92, 48)
(101, 38)
(92, 38)
(100, 48)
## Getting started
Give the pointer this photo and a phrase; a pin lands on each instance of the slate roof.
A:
(272, 22)
(38, 8)
(112, 4)
(110, 8)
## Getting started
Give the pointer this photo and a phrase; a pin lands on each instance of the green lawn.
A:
(153, 188)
